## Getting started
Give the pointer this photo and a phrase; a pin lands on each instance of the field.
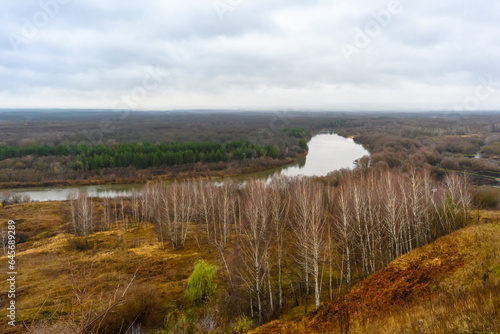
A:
(54, 268)
(451, 285)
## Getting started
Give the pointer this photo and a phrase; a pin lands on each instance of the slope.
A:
(450, 285)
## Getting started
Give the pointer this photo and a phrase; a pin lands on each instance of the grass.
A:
(449, 286)
(52, 263)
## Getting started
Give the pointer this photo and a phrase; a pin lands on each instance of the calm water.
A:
(327, 152)
(61, 193)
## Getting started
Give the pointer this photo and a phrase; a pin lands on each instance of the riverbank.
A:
(188, 171)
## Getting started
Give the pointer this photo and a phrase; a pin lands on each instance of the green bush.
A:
(201, 286)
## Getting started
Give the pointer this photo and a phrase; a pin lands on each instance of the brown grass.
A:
(449, 286)
(46, 261)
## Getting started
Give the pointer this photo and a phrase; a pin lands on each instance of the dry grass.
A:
(449, 286)
(50, 257)
(474, 310)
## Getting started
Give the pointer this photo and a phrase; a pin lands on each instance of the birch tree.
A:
(308, 227)
(279, 201)
(254, 240)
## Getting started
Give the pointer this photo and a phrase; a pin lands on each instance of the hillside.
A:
(55, 269)
(450, 285)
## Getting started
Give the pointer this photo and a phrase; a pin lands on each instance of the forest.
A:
(445, 142)
(62, 148)
(113, 147)
(289, 242)
(144, 155)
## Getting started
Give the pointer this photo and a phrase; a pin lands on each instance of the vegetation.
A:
(276, 245)
(144, 155)
(113, 147)
(486, 197)
(295, 132)
(59, 274)
(448, 286)
(201, 284)
(445, 142)
(90, 147)
(386, 248)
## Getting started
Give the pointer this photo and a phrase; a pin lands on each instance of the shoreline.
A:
(231, 169)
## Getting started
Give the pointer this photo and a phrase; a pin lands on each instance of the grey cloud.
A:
(104, 49)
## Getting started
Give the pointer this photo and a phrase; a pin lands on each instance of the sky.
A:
(251, 54)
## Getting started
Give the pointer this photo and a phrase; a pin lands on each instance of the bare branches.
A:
(82, 214)
(91, 316)
(346, 232)
(254, 233)
(308, 227)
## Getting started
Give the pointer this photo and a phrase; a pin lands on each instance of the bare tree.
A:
(147, 199)
(308, 227)
(135, 206)
(90, 316)
(106, 212)
(72, 210)
(254, 240)
(205, 205)
(122, 211)
(454, 202)
(82, 215)
(175, 212)
(392, 221)
(279, 201)
(226, 208)
(343, 224)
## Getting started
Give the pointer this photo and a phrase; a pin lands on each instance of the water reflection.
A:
(61, 193)
(327, 152)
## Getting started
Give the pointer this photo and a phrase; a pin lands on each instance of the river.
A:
(327, 152)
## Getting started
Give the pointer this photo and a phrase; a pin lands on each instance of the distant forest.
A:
(88, 147)
(49, 147)
(145, 155)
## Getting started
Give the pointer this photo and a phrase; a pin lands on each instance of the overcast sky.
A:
(253, 54)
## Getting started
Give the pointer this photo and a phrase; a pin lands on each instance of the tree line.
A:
(291, 240)
(145, 155)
